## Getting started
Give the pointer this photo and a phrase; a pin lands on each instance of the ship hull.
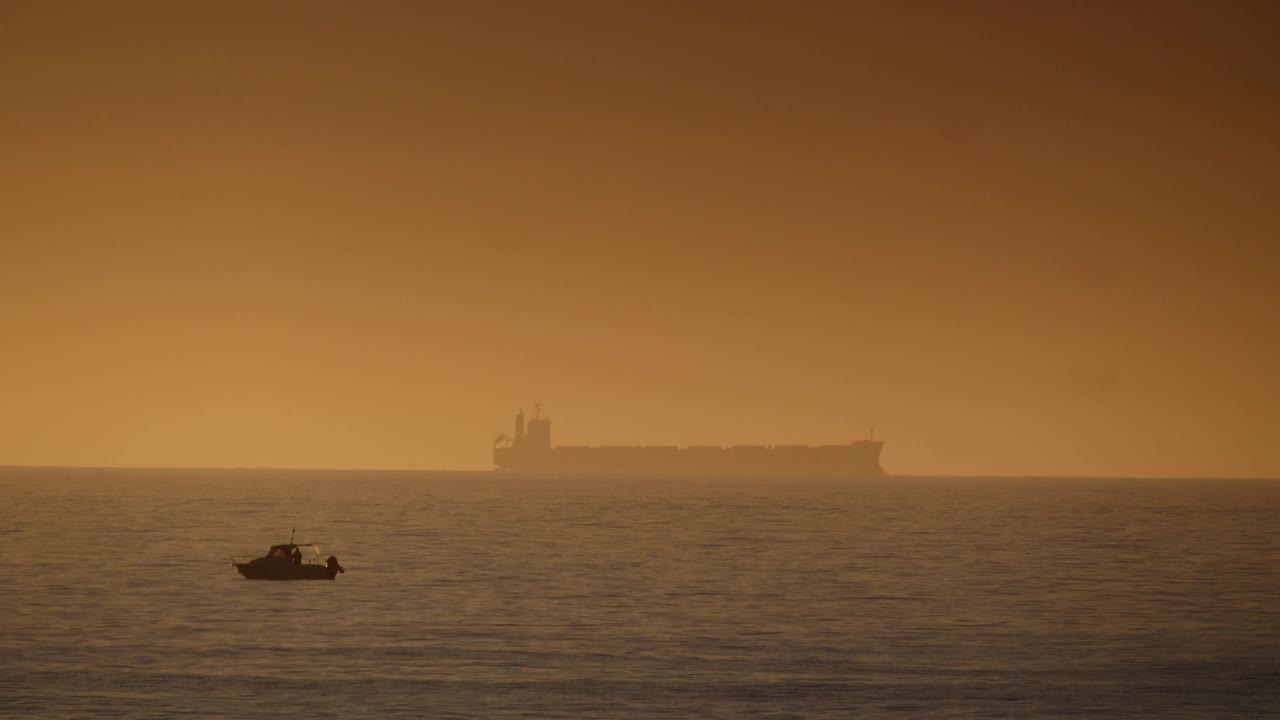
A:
(853, 460)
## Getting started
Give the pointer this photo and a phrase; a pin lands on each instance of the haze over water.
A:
(485, 596)
(1017, 238)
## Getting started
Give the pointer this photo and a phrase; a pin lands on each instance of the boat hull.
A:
(277, 569)
(852, 460)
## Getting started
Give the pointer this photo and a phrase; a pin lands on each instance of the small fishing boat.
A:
(284, 562)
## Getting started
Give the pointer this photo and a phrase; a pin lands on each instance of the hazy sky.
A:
(1017, 237)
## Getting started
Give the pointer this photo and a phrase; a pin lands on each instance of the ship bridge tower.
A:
(538, 434)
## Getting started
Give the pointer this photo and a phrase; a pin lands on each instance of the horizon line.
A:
(897, 476)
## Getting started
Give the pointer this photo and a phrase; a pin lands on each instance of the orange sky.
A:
(1016, 237)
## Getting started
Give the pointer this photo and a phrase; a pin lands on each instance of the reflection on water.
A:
(478, 595)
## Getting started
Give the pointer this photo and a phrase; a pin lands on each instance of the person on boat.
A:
(297, 556)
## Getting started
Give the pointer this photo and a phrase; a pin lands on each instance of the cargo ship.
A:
(530, 450)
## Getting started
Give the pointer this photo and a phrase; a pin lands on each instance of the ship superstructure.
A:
(530, 450)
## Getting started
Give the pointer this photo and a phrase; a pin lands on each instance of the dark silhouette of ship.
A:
(530, 450)
(284, 562)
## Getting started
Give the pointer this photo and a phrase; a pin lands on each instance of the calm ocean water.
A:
(475, 595)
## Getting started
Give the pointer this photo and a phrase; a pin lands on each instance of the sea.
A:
(487, 595)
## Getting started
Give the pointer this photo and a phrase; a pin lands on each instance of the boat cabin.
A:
(281, 551)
